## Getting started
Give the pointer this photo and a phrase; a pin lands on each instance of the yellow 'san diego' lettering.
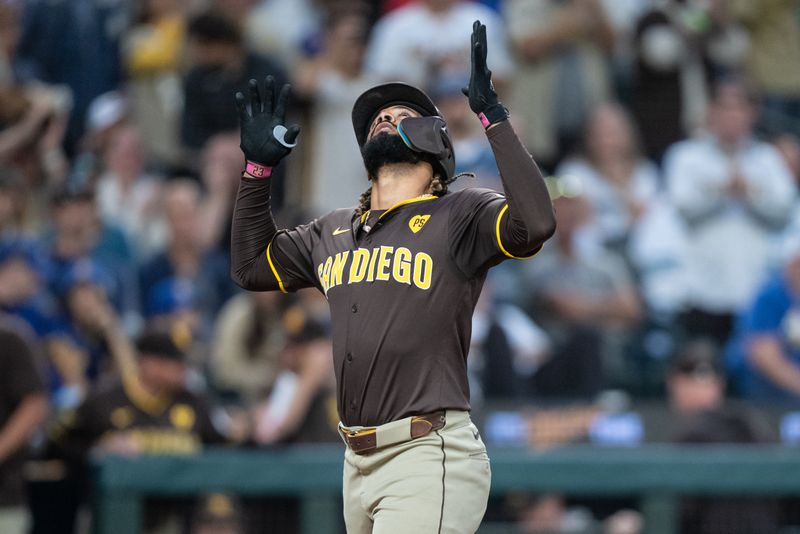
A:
(381, 264)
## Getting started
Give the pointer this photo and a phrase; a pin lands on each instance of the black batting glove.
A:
(265, 139)
(482, 98)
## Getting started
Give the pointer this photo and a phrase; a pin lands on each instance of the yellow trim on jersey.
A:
(364, 216)
(408, 201)
(274, 270)
(500, 243)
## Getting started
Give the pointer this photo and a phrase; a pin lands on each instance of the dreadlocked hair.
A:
(364, 202)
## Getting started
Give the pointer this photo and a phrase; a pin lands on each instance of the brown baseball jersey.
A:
(19, 379)
(177, 424)
(401, 283)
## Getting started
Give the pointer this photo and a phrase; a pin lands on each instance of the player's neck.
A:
(398, 182)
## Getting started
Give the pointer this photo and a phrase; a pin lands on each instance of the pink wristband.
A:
(257, 170)
(484, 120)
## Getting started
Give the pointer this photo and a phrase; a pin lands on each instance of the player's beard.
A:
(386, 149)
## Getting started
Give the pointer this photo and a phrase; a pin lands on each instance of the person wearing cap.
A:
(402, 273)
(148, 410)
(701, 415)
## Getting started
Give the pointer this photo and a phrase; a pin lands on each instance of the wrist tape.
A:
(257, 170)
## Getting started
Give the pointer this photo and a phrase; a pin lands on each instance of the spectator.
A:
(300, 407)
(106, 114)
(735, 194)
(23, 290)
(33, 116)
(561, 49)
(12, 67)
(220, 175)
(772, 62)
(77, 44)
(220, 65)
(188, 255)
(78, 233)
(148, 410)
(678, 48)
(279, 28)
(584, 298)
(152, 53)
(128, 197)
(696, 387)
(81, 347)
(23, 407)
(618, 182)
(764, 356)
(474, 155)
(173, 305)
(246, 347)
(430, 37)
(332, 81)
(32, 122)
(506, 349)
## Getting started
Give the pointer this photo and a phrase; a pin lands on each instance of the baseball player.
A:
(402, 273)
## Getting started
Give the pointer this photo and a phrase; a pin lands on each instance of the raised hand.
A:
(265, 139)
(482, 97)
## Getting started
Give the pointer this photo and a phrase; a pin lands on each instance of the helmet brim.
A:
(388, 94)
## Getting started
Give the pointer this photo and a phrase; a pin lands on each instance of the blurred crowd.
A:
(669, 131)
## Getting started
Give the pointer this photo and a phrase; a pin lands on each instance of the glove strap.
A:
(257, 170)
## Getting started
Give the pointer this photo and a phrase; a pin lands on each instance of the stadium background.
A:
(642, 374)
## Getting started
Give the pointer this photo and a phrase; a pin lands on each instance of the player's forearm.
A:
(530, 221)
(252, 231)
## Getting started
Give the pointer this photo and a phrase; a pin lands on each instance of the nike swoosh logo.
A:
(340, 230)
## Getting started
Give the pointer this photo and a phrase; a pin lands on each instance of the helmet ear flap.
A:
(424, 134)
(429, 136)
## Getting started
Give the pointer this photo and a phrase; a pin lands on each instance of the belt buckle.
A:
(353, 438)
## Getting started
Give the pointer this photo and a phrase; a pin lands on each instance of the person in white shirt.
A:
(735, 193)
(127, 196)
(618, 182)
(430, 37)
(332, 81)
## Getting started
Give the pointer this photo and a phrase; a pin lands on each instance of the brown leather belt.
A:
(366, 439)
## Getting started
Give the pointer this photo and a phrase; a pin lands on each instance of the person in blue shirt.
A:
(23, 293)
(764, 356)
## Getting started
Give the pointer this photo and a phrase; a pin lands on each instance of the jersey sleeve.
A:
(263, 258)
(289, 257)
(477, 220)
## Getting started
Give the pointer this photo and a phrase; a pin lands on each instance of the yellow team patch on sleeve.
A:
(417, 222)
